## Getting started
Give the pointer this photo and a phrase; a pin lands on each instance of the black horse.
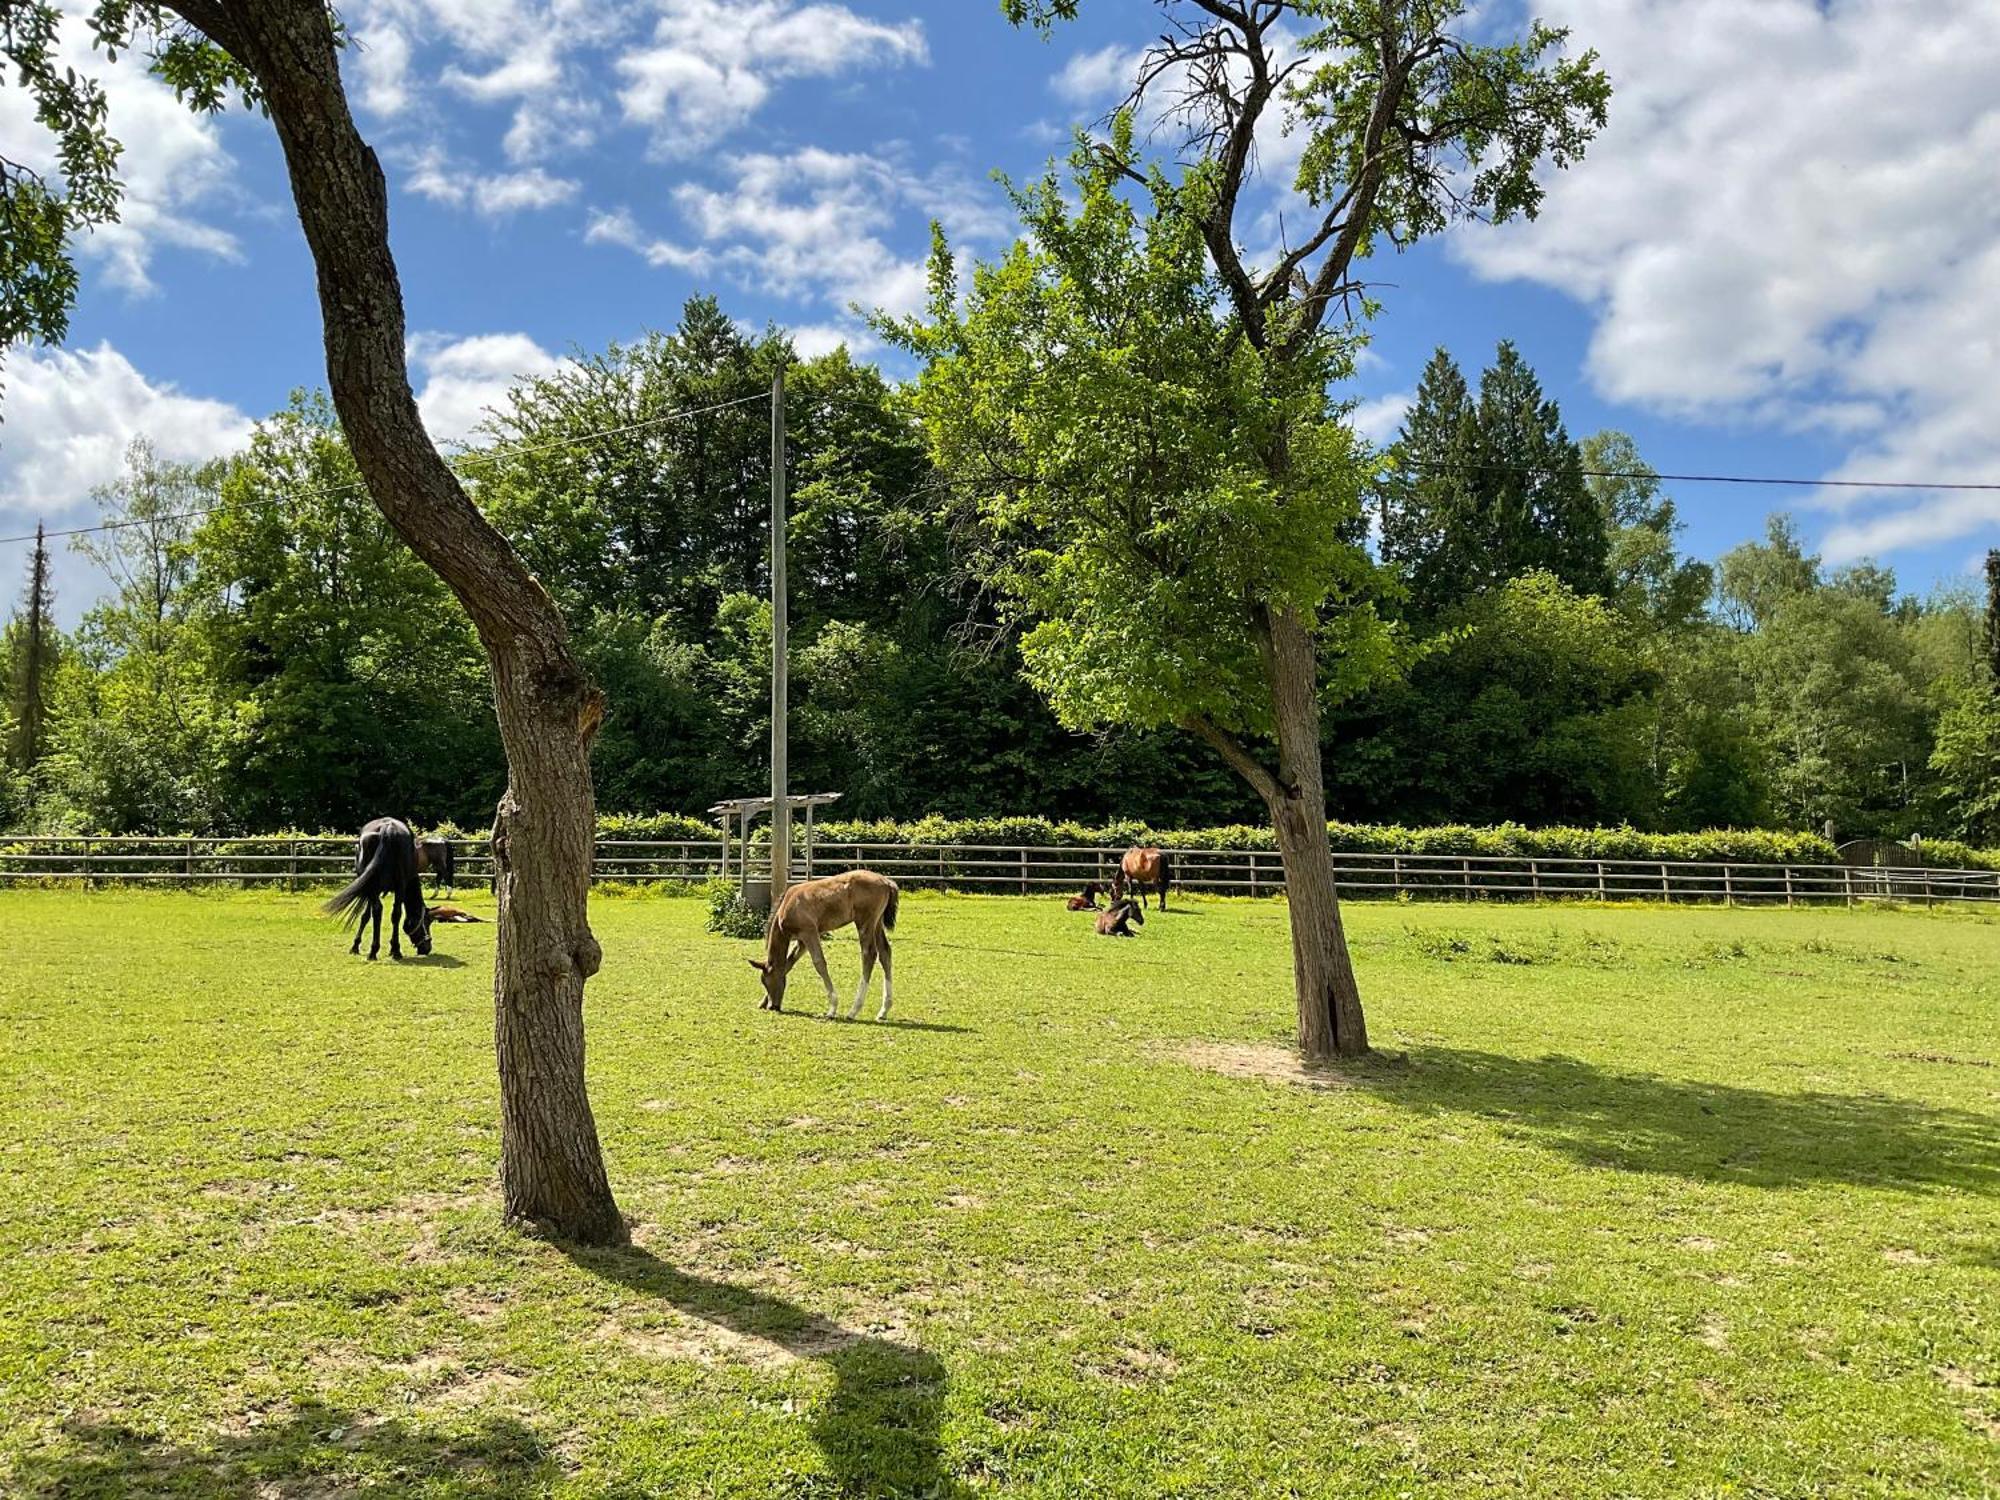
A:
(386, 865)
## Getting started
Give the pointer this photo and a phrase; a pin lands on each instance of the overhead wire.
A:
(454, 462)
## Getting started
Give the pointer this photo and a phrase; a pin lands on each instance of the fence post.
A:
(1396, 866)
(1535, 877)
(1728, 887)
(1465, 876)
(1600, 882)
(1847, 880)
(1788, 885)
(1024, 872)
(88, 883)
(187, 864)
(1254, 891)
(1666, 885)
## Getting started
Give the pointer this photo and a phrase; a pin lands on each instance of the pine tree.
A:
(1429, 499)
(34, 667)
(1483, 491)
(1993, 615)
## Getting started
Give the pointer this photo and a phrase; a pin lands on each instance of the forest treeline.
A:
(269, 655)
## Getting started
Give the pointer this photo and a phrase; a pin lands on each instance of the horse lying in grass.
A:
(810, 910)
(385, 865)
(1141, 869)
(1118, 919)
(1086, 899)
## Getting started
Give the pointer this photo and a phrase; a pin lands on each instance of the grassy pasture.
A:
(1638, 1202)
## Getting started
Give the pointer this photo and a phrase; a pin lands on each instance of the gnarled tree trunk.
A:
(552, 1170)
(1330, 1019)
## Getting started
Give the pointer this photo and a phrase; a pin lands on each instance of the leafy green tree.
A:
(1753, 580)
(1966, 760)
(353, 679)
(142, 722)
(1532, 708)
(1648, 579)
(1143, 416)
(1838, 699)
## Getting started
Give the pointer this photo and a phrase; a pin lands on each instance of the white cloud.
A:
(1780, 226)
(620, 228)
(463, 377)
(1378, 418)
(810, 340)
(711, 64)
(382, 60)
(70, 415)
(174, 165)
(492, 195)
(810, 225)
(1099, 78)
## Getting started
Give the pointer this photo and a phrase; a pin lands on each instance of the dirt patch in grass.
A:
(1266, 1064)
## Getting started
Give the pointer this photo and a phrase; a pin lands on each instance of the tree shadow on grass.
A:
(316, 1451)
(1709, 1132)
(879, 1430)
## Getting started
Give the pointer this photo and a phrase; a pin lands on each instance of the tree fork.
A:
(552, 1167)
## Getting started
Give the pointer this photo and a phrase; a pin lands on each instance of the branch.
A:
(1231, 749)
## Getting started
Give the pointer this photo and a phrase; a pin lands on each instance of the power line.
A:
(1754, 479)
(477, 456)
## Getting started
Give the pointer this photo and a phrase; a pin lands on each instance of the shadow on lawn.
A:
(317, 1450)
(1709, 1132)
(879, 1428)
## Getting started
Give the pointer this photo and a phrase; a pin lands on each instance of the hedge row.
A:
(1507, 840)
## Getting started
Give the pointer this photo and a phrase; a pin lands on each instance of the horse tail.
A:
(367, 881)
(889, 911)
(1166, 872)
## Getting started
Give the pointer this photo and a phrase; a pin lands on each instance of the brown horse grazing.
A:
(438, 858)
(1143, 868)
(1117, 919)
(1086, 899)
(810, 910)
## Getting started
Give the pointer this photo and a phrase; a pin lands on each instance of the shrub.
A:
(726, 912)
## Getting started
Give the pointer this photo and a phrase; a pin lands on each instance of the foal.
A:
(1116, 920)
(807, 912)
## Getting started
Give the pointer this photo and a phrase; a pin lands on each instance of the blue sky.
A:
(1781, 259)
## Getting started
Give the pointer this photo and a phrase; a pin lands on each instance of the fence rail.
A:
(1023, 870)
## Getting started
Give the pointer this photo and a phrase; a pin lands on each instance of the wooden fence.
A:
(296, 864)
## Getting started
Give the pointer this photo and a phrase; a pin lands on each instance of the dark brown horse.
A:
(1118, 919)
(438, 858)
(385, 865)
(1143, 869)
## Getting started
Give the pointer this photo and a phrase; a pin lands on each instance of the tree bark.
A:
(1331, 1023)
(551, 1167)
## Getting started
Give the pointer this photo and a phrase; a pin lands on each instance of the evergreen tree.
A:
(1993, 615)
(34, 661)
(1484, 492)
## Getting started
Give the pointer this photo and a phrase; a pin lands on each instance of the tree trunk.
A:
(1330, 1019)
(551, 1167)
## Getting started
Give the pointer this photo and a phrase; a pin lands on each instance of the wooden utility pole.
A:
(781, 810)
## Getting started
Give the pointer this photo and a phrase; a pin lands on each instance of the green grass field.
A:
(1637, 1202)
